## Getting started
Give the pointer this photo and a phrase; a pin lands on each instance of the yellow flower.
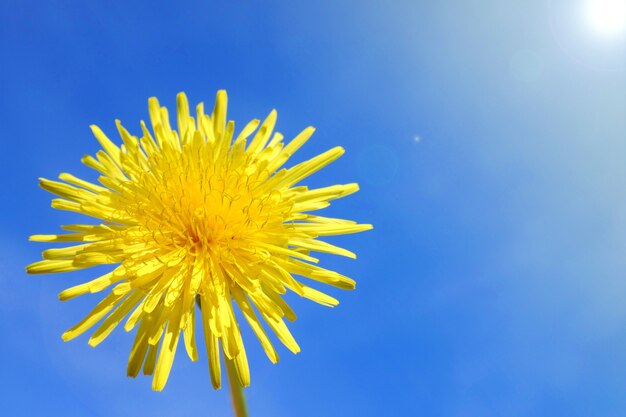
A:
(197, 215)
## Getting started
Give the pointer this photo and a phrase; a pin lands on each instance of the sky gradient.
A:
(489, 140)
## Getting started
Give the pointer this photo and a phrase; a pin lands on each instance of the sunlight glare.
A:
(606, 17)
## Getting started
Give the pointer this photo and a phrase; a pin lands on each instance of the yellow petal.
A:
(114, 319)
(254, 323)
(168, 350)
(92, 318)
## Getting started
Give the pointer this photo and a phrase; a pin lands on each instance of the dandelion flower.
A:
(197, 216)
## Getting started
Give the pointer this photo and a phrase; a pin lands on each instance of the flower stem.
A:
(236, 391)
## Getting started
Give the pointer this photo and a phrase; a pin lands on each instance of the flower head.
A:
(196, 216)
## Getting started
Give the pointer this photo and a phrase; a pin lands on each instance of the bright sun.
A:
(606, 17)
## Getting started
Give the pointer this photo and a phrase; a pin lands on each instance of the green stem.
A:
(236, 391)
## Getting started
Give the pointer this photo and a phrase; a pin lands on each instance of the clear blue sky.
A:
(494, 281)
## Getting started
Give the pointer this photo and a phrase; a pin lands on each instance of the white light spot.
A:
(606, 17)
(417, 138)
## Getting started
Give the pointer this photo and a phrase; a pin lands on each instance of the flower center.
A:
(188, 202)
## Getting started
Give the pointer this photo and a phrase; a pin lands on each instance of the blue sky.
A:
(493, 283)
